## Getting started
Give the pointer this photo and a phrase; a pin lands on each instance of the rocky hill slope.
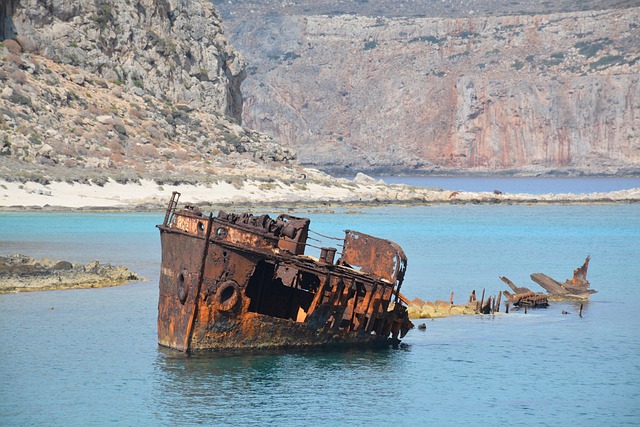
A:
(123, 89)
(443, 87)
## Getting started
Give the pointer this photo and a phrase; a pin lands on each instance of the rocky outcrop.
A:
(419, 309)
(432, 88)
(122, 89)
(174, 50)
(21, 273)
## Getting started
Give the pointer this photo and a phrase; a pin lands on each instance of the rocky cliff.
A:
(91, 89)
(172, 49)
(414, 87)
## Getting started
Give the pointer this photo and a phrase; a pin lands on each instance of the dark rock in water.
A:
(21, 273)
(63, 265)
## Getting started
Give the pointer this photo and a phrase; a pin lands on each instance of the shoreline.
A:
(362, 192)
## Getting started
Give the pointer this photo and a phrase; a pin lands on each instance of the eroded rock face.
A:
(171, 49)
(389, 92)
(126, 89)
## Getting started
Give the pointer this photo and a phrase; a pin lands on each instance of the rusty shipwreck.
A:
(242, 281)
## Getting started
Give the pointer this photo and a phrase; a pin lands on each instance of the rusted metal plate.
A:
(579, 279)
(179, 277)
(379, 257)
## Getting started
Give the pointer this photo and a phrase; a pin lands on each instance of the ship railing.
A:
(369, 254)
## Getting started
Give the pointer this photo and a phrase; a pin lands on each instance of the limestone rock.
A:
(122, 89)
(171, 49)
(105, 120)
(425, 87)
(364, 179)
(21, 273)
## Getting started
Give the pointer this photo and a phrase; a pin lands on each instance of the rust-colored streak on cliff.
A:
(529, 93)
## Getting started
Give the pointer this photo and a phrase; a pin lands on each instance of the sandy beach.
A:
(363, 190)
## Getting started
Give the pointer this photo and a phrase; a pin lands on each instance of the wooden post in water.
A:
(506, 308)
(482, 301)
(498, 302)
(580, 311)
(525, 309)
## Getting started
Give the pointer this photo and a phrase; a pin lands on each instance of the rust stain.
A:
(580, 274)
(244, 281)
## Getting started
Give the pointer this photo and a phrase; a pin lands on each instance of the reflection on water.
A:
(305, 387)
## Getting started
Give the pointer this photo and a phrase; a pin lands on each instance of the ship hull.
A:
(226, 286)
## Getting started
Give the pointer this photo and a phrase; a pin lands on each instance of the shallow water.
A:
(89, 357)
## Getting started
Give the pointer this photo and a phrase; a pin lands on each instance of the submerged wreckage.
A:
(574, 289)
(244, 281)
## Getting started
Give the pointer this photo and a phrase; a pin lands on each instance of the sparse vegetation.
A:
(428, 39)
(290, 56)
(104, 14)
(459, 55)
(267, 186)
(167, 47)
(236, 181)
(607, 61)
(120, 129)
(591, 48)
(370, 45)
(20, 99)
(100, 181)
(467, 35)
(555, 59)
(232, 140)
(126, 179)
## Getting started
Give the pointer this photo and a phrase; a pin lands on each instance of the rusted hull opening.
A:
(240, 281)
(270, 296)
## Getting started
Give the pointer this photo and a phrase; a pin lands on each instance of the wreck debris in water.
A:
(244, 281)
(574, 289)
(525, 297)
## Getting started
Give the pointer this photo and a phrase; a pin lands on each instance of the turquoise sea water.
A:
(89, 357)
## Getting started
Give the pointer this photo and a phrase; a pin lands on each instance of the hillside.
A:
(125, 90)
(418, 86)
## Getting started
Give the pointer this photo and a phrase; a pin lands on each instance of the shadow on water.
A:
(231, 387)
